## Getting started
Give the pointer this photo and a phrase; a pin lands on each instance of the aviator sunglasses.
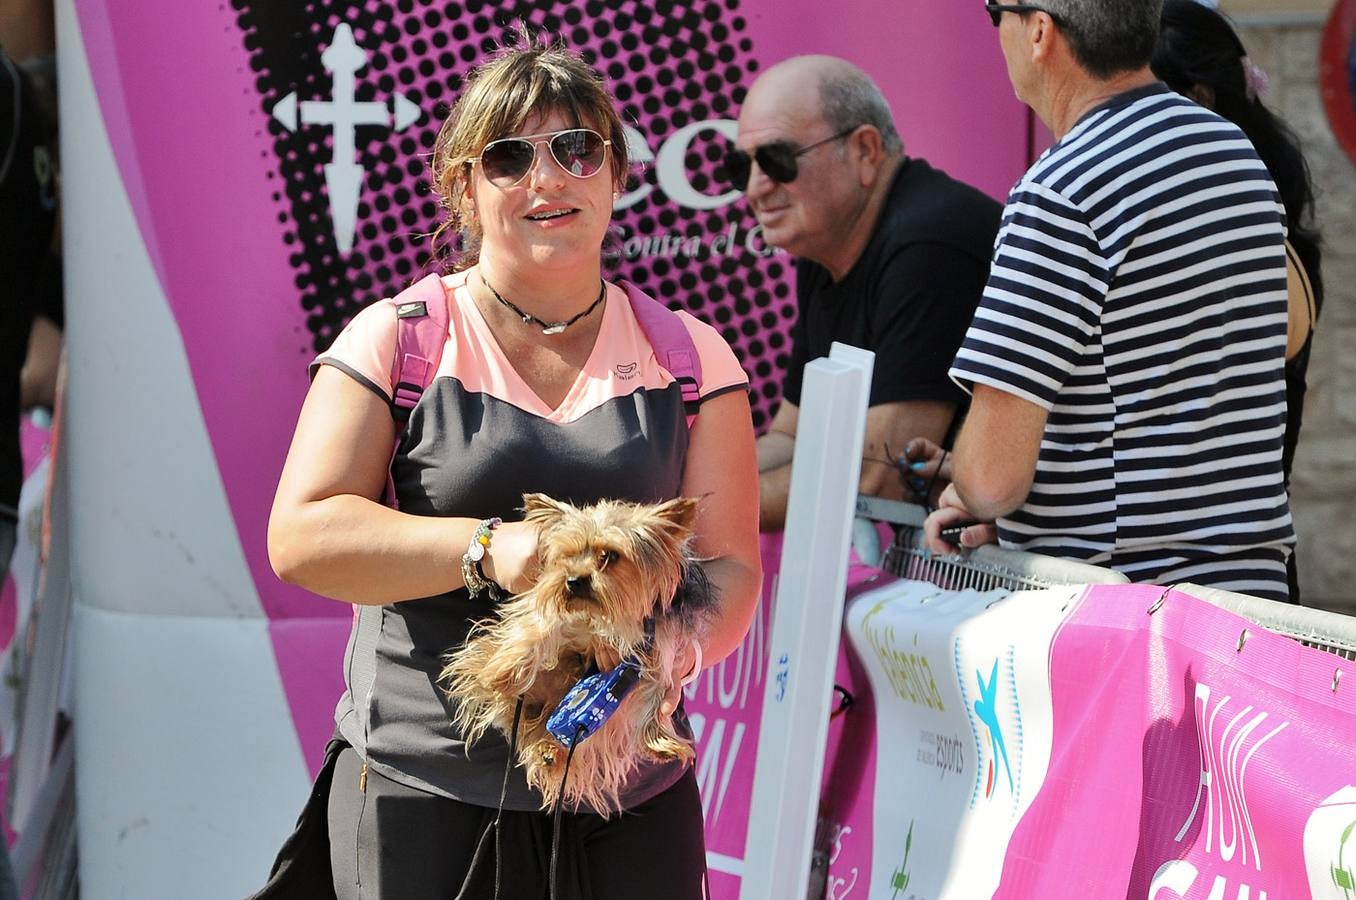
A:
(579, 151)
(777, 160)
(996, 10)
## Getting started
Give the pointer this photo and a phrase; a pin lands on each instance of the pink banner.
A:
(263, 262)
(1042, 745)
(264, 243)
(1196, 757)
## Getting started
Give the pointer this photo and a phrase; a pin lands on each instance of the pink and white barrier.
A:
(1195, 756)
(1061, 743)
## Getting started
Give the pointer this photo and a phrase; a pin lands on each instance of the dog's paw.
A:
(667, 749)
(543, 760)
(660, 741)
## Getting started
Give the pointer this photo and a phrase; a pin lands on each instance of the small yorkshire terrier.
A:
(605, 568)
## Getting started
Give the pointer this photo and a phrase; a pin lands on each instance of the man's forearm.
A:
(997, 451)
(980, 485)
(774, 486)
(775, 450)
(986, 508)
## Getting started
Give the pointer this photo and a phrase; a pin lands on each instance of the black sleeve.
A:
(27, 219)
(926, 297)
(48, 291)
(800, 351)
(27, 198)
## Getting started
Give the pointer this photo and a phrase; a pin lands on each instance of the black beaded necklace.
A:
(548, 327)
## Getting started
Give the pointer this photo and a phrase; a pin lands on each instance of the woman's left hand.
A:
(511, 560)
(687, 665)
(686, 668)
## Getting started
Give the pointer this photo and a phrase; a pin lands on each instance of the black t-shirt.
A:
(27, 217)
(910, 296)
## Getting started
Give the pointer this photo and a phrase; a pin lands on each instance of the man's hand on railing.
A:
(953, 526)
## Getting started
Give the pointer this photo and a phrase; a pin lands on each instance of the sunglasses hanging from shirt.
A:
(579, 151)
(777, 160)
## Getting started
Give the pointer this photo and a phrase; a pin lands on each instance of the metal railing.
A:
(1328, 631)
(983, 568)
(990, 567)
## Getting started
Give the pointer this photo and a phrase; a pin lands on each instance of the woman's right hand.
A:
(511, 560)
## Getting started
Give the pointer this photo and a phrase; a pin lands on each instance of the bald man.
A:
(892, 256)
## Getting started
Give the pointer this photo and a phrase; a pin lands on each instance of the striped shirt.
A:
(1138, 294)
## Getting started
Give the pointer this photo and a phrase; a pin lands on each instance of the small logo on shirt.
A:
(626, 371)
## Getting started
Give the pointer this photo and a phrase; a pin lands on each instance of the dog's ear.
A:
(680, 512)
(542, 510)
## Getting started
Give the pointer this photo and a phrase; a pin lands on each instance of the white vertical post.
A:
(807, 623)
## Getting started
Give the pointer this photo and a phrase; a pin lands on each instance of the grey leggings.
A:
(393, 841)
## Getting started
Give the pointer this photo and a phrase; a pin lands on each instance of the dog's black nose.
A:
(579, 586)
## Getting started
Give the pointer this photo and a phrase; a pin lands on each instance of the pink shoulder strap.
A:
(421, 333)
(672, 344)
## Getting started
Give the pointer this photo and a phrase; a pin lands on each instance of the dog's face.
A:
(611, 560)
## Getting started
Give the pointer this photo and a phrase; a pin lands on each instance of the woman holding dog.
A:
(546, 383)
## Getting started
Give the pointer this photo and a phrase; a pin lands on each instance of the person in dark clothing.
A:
(27, 222)
(892, 257)
(1200, 56)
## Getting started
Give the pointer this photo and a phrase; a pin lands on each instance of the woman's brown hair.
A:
(530, 79)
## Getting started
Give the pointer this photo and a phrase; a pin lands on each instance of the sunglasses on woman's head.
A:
(579, 151)
(777, 160)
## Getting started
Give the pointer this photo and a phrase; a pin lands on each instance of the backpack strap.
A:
(421, 334)
(672, 344)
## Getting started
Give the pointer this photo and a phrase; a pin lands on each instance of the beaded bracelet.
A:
(471, 571)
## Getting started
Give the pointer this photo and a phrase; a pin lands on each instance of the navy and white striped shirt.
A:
(1138, 294)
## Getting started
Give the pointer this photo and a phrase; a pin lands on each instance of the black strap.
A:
(495, 825)
(560, 801)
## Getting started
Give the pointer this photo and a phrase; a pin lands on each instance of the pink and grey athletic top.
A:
(478, 439)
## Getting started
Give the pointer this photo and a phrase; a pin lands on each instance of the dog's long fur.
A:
(604, 569)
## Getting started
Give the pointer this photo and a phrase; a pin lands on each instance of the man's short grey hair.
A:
(1108, 36)
(849, 99)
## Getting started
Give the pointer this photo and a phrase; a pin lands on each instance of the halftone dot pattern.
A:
(669, 64)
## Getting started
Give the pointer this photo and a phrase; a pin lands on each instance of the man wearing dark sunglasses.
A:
(1127, 360)
(891, 256)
